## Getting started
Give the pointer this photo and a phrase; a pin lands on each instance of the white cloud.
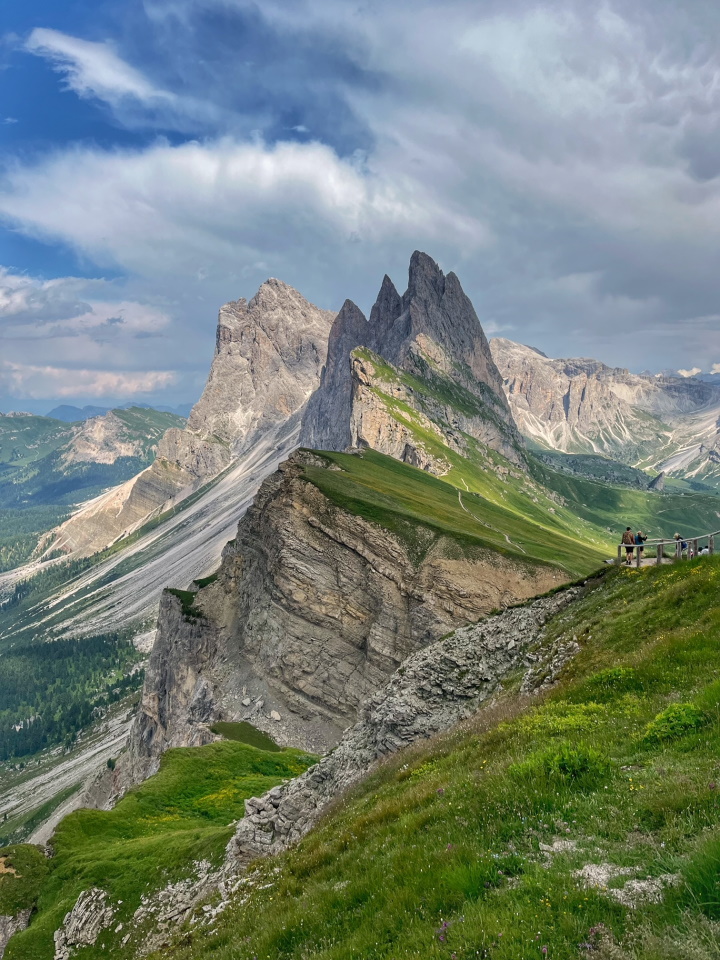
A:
(92, 69)
(549, 156)
(211, 207)
(31, 381)
(66, 306)
(715, 368)
(693, 372)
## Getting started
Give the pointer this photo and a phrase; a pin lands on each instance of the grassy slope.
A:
(574, 537)
(438, 855)
(540, 512)
(151, 838)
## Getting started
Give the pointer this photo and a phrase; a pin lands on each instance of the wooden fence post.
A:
(711, 543)
(660, 552)
(619, 559)
(695, 548)
(638, 551)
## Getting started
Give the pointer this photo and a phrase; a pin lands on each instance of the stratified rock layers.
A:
(313, 608)
(435, 689)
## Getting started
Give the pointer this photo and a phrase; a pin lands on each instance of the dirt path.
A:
(488, 525)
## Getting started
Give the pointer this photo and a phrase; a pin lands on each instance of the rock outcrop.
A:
(312, 609)
(9, 926)
(584, 406)
(432, 334)
(268, 358)
(113, 436)
(431, 692)
(91, 914)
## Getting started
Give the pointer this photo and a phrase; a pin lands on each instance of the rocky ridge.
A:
(432, 691)
(106, 439)
(9, 926)
(432, 336)
(268, 357)
(583, 406)
(312, 609)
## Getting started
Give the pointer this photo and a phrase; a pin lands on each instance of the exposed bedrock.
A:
(432, 331)
(432, 691)
(313, 608)
(269, 353)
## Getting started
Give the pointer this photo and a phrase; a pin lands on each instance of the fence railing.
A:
(671, 550)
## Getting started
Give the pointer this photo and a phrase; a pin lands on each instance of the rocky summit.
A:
(431, 333)
(268, 356)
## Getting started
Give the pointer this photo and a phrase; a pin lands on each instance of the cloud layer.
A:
(562, 158)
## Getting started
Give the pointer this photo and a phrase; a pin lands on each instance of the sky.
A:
(161, 157)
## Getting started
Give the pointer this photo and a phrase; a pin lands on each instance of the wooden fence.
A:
(674, 548)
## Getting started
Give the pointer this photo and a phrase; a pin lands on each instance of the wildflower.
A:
(712, 786)
(544, 951)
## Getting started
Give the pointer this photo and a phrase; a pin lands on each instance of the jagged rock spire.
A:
(435, 307)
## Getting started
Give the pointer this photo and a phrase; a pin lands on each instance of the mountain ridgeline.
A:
(268, 356)
(432, 335)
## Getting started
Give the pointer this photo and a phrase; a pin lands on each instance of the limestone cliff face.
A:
(268, 358)
(583, 406)
(431, 331)
(313, 608)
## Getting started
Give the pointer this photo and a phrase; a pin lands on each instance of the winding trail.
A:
(488, 525)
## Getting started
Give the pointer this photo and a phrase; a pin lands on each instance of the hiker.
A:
(628, 541)
(683, 543)
(705, 552)
(640, 539)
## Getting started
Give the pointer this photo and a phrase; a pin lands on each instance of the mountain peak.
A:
(434, 318)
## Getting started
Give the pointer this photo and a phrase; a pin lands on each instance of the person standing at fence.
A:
(683, 544)
(628, 541)
(640, 539)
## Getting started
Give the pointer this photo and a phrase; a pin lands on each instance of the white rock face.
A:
(584, 406)
(268, 359)
(9, 926)
(102, 439)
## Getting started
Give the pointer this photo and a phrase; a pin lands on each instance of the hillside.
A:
(583, 819)
(176, 821)
(48, 466)
(586, 817)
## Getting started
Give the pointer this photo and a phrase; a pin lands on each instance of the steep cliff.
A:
(432, 335)
(268, 357)
(314, 606)
(584, 406)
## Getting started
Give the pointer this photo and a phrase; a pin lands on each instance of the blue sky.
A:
(159, 158)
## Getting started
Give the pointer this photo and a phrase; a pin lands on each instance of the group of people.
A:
(635, 541)
(631, 541)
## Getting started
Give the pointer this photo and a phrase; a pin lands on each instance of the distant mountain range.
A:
(71, 414)
(659, 423)
(48, 466)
